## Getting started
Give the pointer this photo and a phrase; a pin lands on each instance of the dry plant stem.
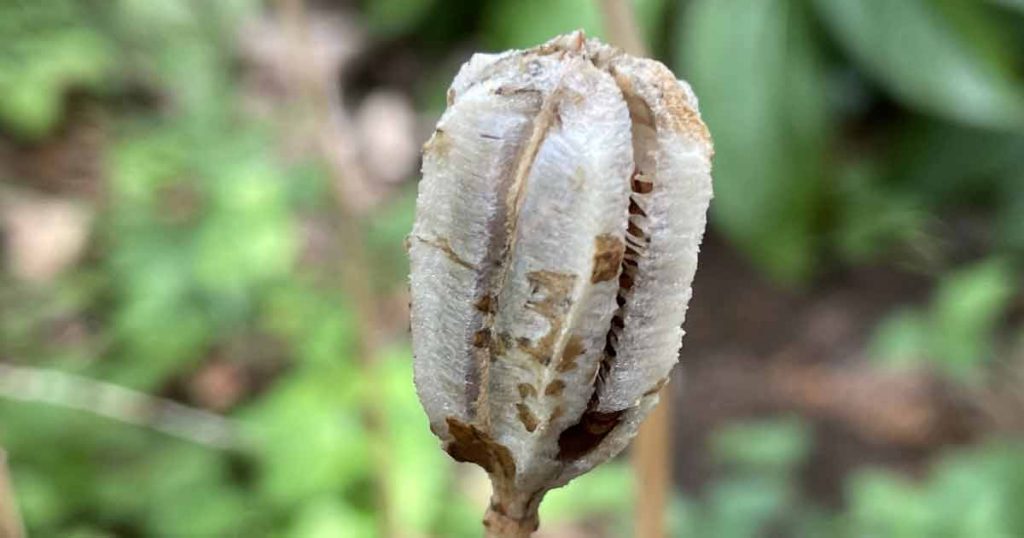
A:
(497, 525)
(652, 462)
(509, 516)
(10, 519)
(347, 177)
(623, 30)
(71, 391)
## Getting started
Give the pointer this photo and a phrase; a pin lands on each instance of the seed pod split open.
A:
(559, 217)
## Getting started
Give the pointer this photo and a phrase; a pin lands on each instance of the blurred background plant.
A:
(203, 304)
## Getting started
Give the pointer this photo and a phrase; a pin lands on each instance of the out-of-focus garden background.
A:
(203, 305)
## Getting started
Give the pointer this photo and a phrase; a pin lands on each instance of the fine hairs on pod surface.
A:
(562, 205)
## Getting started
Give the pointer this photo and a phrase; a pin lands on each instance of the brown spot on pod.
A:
(573, 349)
(481, 338)
(608, 251)
(526, 390)
(485, 304)
(554, 388)
(551, 298)
(471, 444)
(527, 417)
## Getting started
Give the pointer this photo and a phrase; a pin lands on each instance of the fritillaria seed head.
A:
(562, 205)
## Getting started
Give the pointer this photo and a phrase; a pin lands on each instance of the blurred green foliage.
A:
(968, 493)
(45, 52)
(972, 492)
(841, 130)
(945, 57)
(757, 489)
(957, 330)
(776, 78)
(763, 96)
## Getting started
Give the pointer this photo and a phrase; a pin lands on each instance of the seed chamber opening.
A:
(584, 436)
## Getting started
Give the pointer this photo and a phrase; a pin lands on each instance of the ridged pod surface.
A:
(562, 205)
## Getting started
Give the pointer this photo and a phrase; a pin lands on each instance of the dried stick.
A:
(348, 178)
(499, 526)
(119, 403)
(623, 30)
(10, 519)
(652, 457)
(652, 468)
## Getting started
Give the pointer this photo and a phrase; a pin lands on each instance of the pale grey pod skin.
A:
(562, 205)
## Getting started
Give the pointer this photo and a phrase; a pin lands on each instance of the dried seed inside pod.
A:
(562, 204)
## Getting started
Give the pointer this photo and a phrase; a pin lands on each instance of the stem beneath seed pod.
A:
(652, 469)
(512, 516)
(500, 526)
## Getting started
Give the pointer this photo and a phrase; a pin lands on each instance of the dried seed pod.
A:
(562, 204)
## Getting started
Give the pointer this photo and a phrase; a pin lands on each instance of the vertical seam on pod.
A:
(542, 123)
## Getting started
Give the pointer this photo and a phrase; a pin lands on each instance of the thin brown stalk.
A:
(652, 468)
(10, 520)
(326, 116)
(498, 527)
(623, 30)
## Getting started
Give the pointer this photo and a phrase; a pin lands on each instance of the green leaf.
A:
(957, 330)
(967, 306)
(328, 518)
(944, 164)
(185, 49)
(901, 339)
(248, 237)
(753, 65)
(974, 492)
(312, 418)
(1012, 4)
(884, 505)
(319, 330)
(385, 234)
(419, 471)
(39, 499)
(875, 219)
(188, 494)
(85, 531)
(1010, 225)
(744, 507)
(768, 445)
(929, 55)
(48, 48)
(607, 492)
